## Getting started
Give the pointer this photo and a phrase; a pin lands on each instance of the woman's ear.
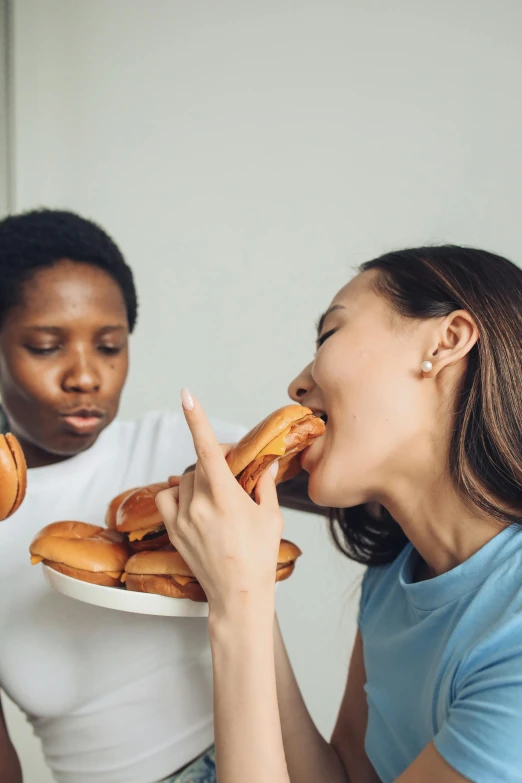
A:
(457, 334)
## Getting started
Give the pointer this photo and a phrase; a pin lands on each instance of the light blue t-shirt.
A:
(443, 662)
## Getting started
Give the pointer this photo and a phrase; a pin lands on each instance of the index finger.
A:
(208, 451)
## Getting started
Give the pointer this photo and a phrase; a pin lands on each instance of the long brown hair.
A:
(486, 447)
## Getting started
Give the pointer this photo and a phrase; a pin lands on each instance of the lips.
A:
(319, 412)
(83, 421)
(302, 458)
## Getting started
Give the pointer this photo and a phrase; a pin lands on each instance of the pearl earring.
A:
(426, 366)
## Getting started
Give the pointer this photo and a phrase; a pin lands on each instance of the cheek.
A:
(26, 379)
(115, 375)
(366, 386)
(375, 408)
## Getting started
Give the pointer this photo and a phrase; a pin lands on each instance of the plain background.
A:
(247, 155)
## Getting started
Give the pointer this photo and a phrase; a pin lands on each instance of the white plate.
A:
(123, 600)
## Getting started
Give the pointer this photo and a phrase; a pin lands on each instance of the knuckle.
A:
(199, 510)
(204, 451)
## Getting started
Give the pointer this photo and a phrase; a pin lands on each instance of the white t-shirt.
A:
(114, 697)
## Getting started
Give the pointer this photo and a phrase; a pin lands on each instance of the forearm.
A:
(248, 738)
(309, 757)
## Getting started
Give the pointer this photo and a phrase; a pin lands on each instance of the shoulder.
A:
(163, 421)
(163, 438)
(227, 432)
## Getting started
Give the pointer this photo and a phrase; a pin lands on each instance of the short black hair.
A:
(40, 238)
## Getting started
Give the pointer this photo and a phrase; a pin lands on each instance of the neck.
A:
(438, 521)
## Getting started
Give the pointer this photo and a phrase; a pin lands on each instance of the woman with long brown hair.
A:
(418, 373)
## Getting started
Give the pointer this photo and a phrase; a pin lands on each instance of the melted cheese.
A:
(276, 446)
(114, 574)
(123, 577)
(183, 580)
(137, 535)
(35, 559)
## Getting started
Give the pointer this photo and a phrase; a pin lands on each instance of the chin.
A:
(69, 446)
(326, 488)
(321, 490)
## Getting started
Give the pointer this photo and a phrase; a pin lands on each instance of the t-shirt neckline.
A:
(467, 576)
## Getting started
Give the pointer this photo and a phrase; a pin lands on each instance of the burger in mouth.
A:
(86, 552)
(13, 475)
(281, 436)
(164, 572)
(134, 513)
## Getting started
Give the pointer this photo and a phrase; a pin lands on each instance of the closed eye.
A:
(110, 350)
(42, 351)
(325, 337)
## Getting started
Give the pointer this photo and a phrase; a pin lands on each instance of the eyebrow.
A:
(322, 319)
(59, 330)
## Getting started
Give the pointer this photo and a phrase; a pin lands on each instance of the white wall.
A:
(246, 155)
(4, 77)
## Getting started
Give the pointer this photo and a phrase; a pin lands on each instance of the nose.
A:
(302, 385)
(82, 374)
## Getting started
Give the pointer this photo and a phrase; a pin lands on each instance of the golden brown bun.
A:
(164, 562)
(70, 529)
(165, 572)
(283, 572)
(283, 435)
(260, 436)
(110, 516)
(288, 553)
(95, 577)
(168, 561)
(165, 585)
(138, 510)
(289, 467)
(82, 546)
(13, 475)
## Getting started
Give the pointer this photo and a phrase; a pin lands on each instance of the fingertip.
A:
(187, 400)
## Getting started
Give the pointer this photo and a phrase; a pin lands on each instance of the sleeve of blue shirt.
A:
(482, 735)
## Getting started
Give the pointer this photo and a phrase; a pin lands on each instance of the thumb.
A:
(167, 505)
(266, 493)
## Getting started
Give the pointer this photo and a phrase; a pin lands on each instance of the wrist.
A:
(241, 616)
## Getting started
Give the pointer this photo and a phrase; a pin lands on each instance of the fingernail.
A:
(274, 469)
(187, 400)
